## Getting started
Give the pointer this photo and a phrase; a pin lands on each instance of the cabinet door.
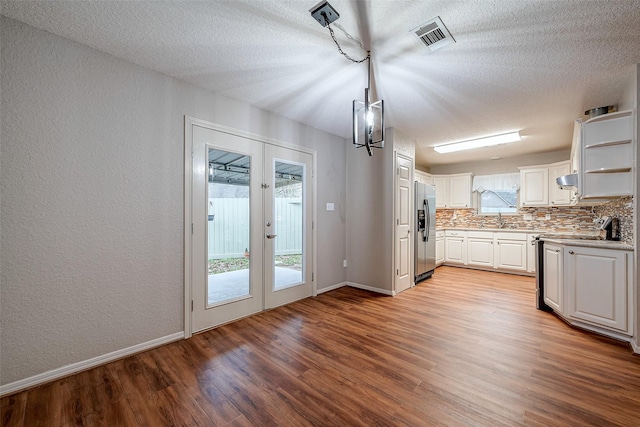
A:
(531, 253)
(480, 252)
(442, 191)
(511, 254)
(558, 197)
(460, 191)
(597, 288)
(553, 277)
(534, 187)
(439, 251)
(455, 250)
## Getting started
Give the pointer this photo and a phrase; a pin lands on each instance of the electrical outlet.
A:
(330, 206)
(547, 216)
(344, 263)
(528, 217)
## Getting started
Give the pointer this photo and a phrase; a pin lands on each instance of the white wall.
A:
(92, 193)
(370, 214)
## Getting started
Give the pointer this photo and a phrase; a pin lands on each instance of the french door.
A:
(250, 247)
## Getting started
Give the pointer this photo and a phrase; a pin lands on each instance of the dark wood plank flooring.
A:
(464, 348)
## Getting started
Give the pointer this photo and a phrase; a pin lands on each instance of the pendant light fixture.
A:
(368, 116)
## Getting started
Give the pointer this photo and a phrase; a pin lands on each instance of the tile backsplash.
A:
(563, 219)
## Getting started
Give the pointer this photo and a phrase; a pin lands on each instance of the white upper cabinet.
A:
(557, 196)
(607, 156)
(423, 177)
(442, 191)
(453, 191)
(538, 185)
(460, 191)
(534, 186)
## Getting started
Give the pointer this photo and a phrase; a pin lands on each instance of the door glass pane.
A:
(228, 244)
(289, 219)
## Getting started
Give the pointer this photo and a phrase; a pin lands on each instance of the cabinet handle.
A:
(557, 251)
(571, 252)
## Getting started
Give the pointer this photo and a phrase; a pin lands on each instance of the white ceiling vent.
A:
(434, 34)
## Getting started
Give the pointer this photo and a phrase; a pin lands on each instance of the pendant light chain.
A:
(333, 36)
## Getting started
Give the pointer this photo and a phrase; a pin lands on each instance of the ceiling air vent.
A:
(434, 34)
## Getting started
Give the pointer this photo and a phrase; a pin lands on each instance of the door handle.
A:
(271, 236)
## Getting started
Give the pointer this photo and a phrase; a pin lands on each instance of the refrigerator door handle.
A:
(425, 203)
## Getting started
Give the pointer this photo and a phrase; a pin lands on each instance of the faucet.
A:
(501, 222)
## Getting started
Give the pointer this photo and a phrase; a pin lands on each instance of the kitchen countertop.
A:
(587, 243)
(508, 230)
(569, 239)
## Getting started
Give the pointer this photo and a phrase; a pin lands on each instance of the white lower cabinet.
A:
(531, 253)
(511, 251)
(439, 247)
(598, 285)
(487, 249)
(553, 277)
(480, 248)
(455, 250)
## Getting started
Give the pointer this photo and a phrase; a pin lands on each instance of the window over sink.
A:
(497, 194)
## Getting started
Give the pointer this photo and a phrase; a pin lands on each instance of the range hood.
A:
(567, 181)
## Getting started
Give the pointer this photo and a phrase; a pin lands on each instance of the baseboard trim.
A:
(634, 346)
(331, 288)
(73, 368)
(371, 288)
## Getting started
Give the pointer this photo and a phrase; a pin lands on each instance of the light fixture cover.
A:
(368, 123)
(478, 143)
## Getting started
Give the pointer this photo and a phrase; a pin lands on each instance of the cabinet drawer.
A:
(480, 234)
(511, 236)
(439, 234)
(454, 233)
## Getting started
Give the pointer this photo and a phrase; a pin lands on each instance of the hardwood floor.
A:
(463, 348)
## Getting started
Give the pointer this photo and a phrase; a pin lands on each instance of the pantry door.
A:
(249, 233)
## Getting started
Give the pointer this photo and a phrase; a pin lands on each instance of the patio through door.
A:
(251, 210)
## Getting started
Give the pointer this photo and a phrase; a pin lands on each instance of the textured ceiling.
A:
(532, 66)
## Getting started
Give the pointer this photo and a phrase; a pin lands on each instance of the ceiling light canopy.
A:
(478, 143)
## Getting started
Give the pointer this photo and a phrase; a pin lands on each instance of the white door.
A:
(226, 213)
(250, 245)
(454, 250)
(403, 238)
(480, 252)
(442, 191)
(511, 254)
(553, 277)
(597, 286)
(287, 225)
(534, 187)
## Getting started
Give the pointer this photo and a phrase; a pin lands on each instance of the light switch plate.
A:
(547, 216)
(330, 206)
(528, 217)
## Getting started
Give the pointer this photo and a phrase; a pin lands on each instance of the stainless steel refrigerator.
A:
(425, 236)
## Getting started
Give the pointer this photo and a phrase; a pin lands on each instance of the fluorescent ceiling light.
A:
(477, 143)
